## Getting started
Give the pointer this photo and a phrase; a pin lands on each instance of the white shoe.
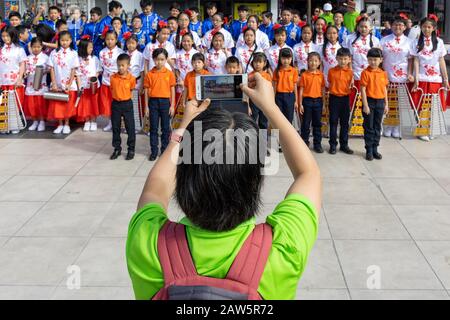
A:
(93, 126)
(58, 130)
(41, 127)
(15, 132)
(424, 138)
(87, 126)
(396, 132)
(108, 127)
(66, 130)
(387, 131)
(34, 126)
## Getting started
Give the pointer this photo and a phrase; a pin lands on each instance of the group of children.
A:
(304, 65)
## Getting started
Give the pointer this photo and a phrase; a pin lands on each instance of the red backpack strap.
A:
(248, 267)
(174, 254)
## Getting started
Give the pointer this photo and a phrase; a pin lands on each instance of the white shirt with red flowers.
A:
(197, 40)
(207, 38)
(108, 61)
(320, 39)
(273, 54)
(89, 68)
(262, 40)
(215, 61)
(183, 62)
(244, 55)
(63, 61)
(148, 53)
(396, 53)
(301, 51)
(11, 56)
(137, 63)
(329, 60)
(359, 51)
(31, 63)
(429, 69)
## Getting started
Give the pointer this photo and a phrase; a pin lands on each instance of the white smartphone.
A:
(220, 87)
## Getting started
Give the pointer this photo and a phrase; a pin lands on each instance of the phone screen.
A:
(224, 87)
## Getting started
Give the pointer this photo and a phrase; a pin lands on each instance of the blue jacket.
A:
(150, 23)
(236, 28)
(91, 29)
(106, 21)
(294, 34)
(268, 30)
(50, 23)
(343, 32)
(143, 39)
(207, 25)
(75, 29)
(196, 27)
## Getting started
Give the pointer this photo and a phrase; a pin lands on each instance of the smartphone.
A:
(220, 87)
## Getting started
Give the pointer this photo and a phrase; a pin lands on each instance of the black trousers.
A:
(312, 114)
(123, 109)
(372, 123)
(339, 114)
(286, 101)
(258, 116)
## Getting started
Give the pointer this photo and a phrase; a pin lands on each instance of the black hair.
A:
(434, 38)
(198, 56)
(158, 30)
(340, 12)
(159, 51)
(267, 14)
(14, 14)
(343, 52)
(114, 5)
(189, 34)
(116, 19)
(295, 12)
(375, 53)
(118, 44)
(124, 57)
(326, 41)
(145, 3)
(178, 38)
(219, 197)
(54, 8)
(172, 18)
(278, 31)
(195, 9)
(286, 9)
(285, 53)
(358, 34)
(242, 7)
(254, 16)
(96, 10)
(136, 17)
(62, 34)
(218, 34)
(306, 26)
(314, 38)
(60, 23)
(260, 56)
(44, 32)
(21, 29)
(36, 40)
(134, 38)
(83, 48)
(211, 5)
(314, 54)
(175, 5)
(254, 50)
(13, 34)
(398, 19)
(232, 59)
(220, 14)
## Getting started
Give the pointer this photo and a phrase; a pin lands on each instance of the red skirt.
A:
(36, 107)
(428, 87)
(105, 101)
(60, 110)
(88, 106)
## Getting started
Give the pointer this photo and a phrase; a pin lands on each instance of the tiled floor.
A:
(63, 203)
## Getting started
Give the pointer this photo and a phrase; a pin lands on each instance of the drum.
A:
(57, 96)
(38, 76)
(93, 83)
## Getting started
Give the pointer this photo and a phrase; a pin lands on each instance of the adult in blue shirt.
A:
(91, 29)
(54, 14)
(149, 18)
(267, 25)
(211, 10)
(294, 33)
(237, 25)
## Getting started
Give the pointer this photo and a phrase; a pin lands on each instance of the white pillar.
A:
(424, 9)
(447, 22)
(274, 9)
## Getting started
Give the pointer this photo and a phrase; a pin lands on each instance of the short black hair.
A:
(267, 14)
(198, 56)
(159, 51)
(211, 5)
(82, 48)
(243, 7)
(172, 18)
(145, 3)
(375, 53)
(124, 57)
(398, 19)
(36, 40)
(21, 29)
(136, 17)
(195, 9)
(232, 59)
(96, 10)
(54, 8)
(295, 12)
(175, 5)
(44, 32)
(287, 9)
(343, 52)
(219, 197)
(116, 19)
(14, 14)
(114, 5)
(314, 54)
(60, 23)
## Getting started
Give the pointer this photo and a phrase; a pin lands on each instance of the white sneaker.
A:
(41, 127)
(58, 130)
(87, 126)
(34, 126)
(387, 131)
(108, 127)
(66, 130)
(15, 132)
(396, 132)
(424, 138)
(93, 126)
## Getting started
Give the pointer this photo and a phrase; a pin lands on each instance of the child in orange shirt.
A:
(374, 82)
(260, 65)
(285, 80)
(122, 85)
(340, 82)
(160, 84)
(311, 93)
(198, 63)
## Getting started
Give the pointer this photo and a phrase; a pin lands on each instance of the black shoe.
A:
(332, 150)
(130, 155)
(280, 150)
(318, 149)
(116, 154)
(377, 155)
(152, 157)
(347, 150)
(369, 156)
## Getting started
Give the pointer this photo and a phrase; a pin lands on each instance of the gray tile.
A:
(92, 189)
(438, 254)
(351, 191)
(100, 165)
(37, 261)
(396, 167)
(444, 183)
(436, 167)
(55, 165)
(11, 165)
(434, 149)
(103, 263)
(26, 292)
(31, 188)
(322, 270)
(31, 148)
(364, 222)
(322, 294)
(116, 221)
(133, 190)
(15, 214)
(60, 219)
(414, 192)
(3, 179)
(399, 264)
(426, 222)
(275, 188)
(144, 169)
(3, 240)
(94, 293)
(399, 295)
(342, 167)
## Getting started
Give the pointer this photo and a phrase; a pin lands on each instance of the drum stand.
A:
(12, 117)
(431, 119)
(356, 117)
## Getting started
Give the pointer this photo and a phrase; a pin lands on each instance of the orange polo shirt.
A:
(286, 79)
(121, 86)
(189, 83)
(159, 83)
(264, 74)
(375, 81)
(339, 80)
(313, 84)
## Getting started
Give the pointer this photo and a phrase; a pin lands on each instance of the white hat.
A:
(327, 7)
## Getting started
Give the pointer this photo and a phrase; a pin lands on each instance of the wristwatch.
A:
(176, 138)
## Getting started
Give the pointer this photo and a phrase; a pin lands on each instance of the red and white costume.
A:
(320, 39)
(183, 63)
(244, 55)
(207, 38)
(273, 53)
(88, 107)
(215, 61)
(108, 62)
(262, 40)
(301, 51)
(396, 53)
(35, 105)
(329, 60)
(11, 56)
(148, 52)
(197, 40)
(359, 51)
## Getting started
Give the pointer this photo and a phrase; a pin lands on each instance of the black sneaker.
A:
(369, 156)
(377, 155)
(347, 150)
(130, 155)
(115, 154)
(332, 150)
(318, 149)
(152, 157)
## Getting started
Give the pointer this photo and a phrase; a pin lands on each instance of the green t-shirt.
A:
(350, 21)
(329, 18)
(294, 223)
